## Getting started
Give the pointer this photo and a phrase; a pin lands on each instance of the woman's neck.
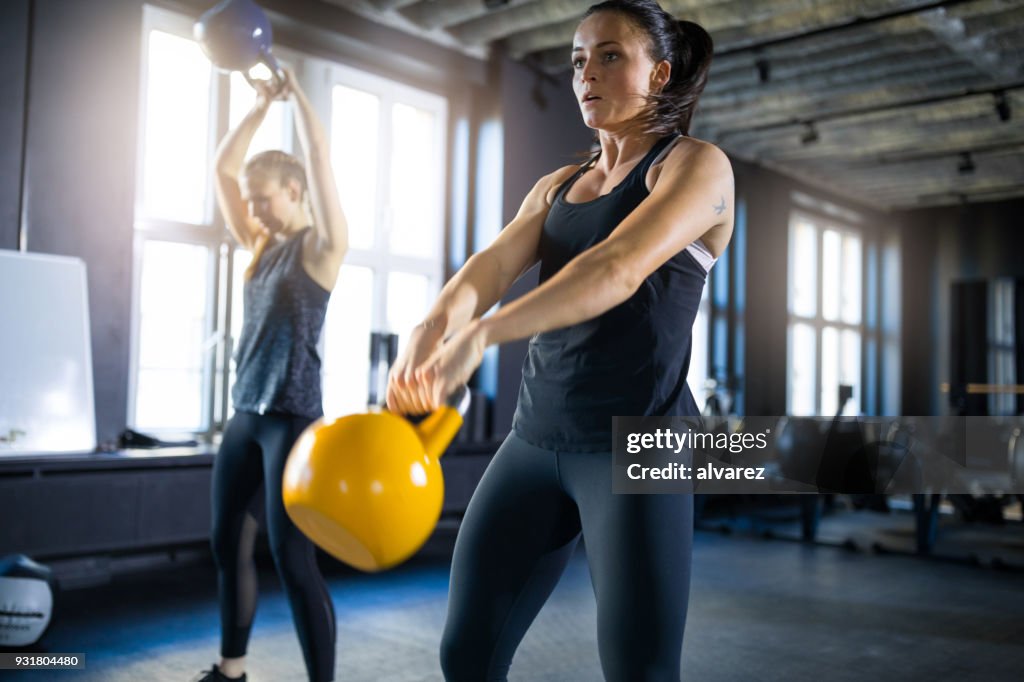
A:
(618, 149)
(299, 220)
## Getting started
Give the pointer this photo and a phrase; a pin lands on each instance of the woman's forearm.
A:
(474, 290)
(312, 136)
(231, 153)
(325, 203)
(591, 284)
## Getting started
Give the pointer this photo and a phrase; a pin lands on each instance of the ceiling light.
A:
(1003, 106)
(764, 70)
(966, 165)
(810, 134)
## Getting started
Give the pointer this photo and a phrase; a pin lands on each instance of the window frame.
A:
(846, 224)
(377, 257)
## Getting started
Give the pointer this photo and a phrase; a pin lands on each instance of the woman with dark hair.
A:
(295, 228)
(624, 242)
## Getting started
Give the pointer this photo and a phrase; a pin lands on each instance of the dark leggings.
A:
(519, 532)
(247, 479)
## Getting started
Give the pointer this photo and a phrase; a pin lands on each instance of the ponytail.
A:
(683, 44)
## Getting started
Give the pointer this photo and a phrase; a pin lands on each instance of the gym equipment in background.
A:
(46, 400)
(368, 488)
(26, 601)
(236, 36)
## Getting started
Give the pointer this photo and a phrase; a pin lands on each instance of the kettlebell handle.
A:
(277, 75)
(459, 399)
(441, 425)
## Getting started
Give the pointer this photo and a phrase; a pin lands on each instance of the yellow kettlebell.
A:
(367, 488)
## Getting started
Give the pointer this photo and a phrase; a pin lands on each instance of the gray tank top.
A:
(277, 363)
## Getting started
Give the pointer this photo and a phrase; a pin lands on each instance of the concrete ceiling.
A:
(896, 103)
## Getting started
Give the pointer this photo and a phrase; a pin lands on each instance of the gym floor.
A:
(759, 609)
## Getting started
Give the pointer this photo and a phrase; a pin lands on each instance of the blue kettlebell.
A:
(236, 36)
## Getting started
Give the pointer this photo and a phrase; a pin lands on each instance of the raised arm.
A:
(331, 226)
(228, 164)
(474, 289)
(684, 205)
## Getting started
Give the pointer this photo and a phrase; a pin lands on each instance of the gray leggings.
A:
(530, 509)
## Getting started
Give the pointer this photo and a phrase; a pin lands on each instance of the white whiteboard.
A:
(46, 398)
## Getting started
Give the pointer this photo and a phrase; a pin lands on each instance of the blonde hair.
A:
(282, 167)
(279, 165)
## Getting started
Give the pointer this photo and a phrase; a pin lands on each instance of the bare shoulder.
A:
(550, 183)
(698, 155)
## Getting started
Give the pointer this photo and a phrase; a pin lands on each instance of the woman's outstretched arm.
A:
(474, 290)
(685, 204)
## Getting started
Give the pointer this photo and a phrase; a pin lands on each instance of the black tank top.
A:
(630, 361)
(277, 363)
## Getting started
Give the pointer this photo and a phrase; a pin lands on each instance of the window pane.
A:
(272, 133)
(1001, 345)
(354, 122)
(720, 353)
(176, 133)
(802, 353)
(698, 374)
(849, 370)
(890, 378)
(871, 376)
(169, 399)
(172, 328)
(415, 189)
(346, 342)
(830, 245)
(852, 264)
(829, 371)
(408, 303)
(890, 316)
(240, 261)
(804, 277)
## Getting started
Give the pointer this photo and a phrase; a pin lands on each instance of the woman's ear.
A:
(660, 75)
(294, 190)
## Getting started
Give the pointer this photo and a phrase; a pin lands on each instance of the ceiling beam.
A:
(854, 22)
(861, 99)
(976, 49)
(558, 29)
(871, 75)
(389, 5)
(907, 103)
(508, 20)
(444, 13)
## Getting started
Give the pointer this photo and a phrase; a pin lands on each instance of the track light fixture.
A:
(764, 70)
(966, 165)
(1002, 106)
(810, 134)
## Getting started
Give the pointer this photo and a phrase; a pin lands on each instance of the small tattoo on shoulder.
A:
(720, 208)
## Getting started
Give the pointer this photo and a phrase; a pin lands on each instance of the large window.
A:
(388, 153)
(826, 327)
(844, 312)
(1002, 349)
